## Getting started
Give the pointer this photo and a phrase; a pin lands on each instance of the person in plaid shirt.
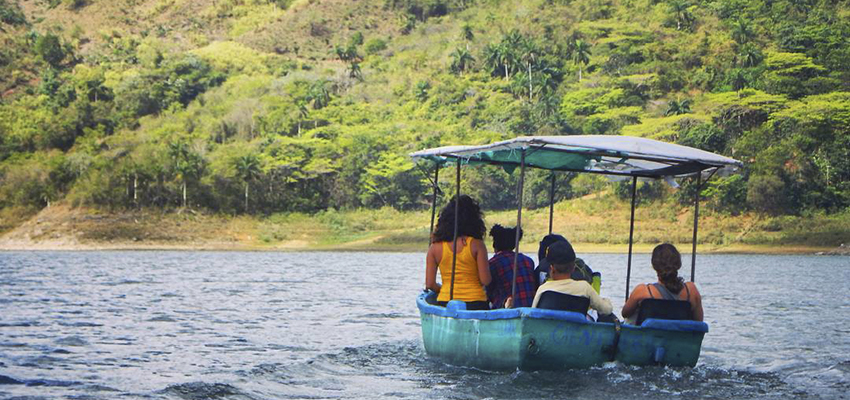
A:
(501, 269)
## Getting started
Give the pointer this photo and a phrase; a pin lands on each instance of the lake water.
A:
(232, 325)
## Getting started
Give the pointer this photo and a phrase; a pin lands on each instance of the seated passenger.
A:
(666, 261)
(472, 272)
(502, 270)
(561, 258)
(581, 272)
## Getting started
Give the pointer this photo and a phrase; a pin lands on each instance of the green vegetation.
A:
(278, 107)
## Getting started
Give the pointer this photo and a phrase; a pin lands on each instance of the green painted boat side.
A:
(641, 346)
(534, 339)
(488, 344)
(523, 342)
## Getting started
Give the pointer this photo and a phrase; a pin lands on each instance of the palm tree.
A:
(461, 60)
(318, 94)
(581, 55)
(529, 53)
(466, 34)
(187, 164)
(354, 71)
(248, 169)
(680, 8)
(750, 56)
(739, 80)
(303, 113)
(742, 32)
(500, 56)
(676, 107)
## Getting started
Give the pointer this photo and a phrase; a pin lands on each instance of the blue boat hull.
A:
(537, 339)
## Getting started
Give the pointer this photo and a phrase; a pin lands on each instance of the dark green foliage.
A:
(51, 49)
(11, 14)
(139, 121)
(374, 46)
(176, 82)
(767, 194)
(727, 194)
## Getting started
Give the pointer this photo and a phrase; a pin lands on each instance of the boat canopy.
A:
(602, 154)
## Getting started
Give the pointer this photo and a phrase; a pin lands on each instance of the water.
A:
(210, 325)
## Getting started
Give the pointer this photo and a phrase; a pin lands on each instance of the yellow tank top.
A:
(466, 274)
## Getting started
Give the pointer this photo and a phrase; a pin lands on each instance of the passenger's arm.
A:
(431, 268)
(479, 251)
(601, 305)
(633, 302)
(696, 302)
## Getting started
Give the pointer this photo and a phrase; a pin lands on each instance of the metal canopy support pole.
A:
(631, 236)
(518, 223)
(551, 203)
(696, 221)
(454, 236)
(434, 200)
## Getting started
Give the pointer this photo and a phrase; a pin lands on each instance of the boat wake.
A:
(402, 369)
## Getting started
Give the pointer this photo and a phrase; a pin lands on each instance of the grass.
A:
(592, 223)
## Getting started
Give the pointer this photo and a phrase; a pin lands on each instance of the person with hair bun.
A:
(666, 261)
(472, 271)
(502, 270)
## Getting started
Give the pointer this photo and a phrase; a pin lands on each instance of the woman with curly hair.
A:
(666, 261)
(472, 271)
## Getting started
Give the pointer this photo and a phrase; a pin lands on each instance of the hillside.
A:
(261, 107)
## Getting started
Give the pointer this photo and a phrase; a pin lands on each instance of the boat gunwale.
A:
(453, 311)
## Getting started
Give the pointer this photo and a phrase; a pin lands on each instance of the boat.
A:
(546, 339)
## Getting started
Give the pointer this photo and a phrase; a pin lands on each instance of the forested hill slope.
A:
(260, 106)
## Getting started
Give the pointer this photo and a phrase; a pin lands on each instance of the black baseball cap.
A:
(560, 252)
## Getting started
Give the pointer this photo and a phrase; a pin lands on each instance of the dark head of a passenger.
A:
(562, 259)
(666, 262)
(470, 221)
(504, 239)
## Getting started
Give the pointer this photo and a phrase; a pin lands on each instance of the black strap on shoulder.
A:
(665, 294)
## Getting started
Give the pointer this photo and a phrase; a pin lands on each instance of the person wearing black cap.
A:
(562, 262)
(582, 271)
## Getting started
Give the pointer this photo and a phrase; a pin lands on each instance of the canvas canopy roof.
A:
(603, 154)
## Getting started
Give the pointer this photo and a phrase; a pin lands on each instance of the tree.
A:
(499, 57)
(739, 79)
(581, 55)
(742, 32)
(683, 15)
(50, 48)
(248, 170)
(466, 34)
(303, 113)
(766, 193)
(461, 60)
(750, 56)
(354, 71)
(318, 95)
(188, 165)
(528, 56)
(676, 107)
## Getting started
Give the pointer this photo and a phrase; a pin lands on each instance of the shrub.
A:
(374, 46)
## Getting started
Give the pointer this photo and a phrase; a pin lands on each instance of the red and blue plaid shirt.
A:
(501, 269)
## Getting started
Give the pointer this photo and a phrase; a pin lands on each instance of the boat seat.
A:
(552, 300)
(664, 309)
